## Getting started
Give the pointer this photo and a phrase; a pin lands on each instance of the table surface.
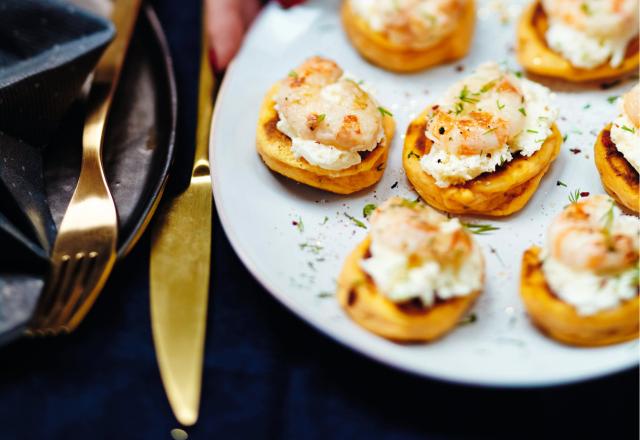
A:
(267, 374)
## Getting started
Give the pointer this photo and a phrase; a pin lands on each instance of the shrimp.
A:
(592, 234)
(418, 231)
(417, 23)
(602, 18)
(320, 105)
(479, 114)
(631, 105)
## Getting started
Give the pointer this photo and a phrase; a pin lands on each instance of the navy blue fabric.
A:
(267, 374)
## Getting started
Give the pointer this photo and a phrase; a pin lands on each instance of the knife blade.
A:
(179, 270)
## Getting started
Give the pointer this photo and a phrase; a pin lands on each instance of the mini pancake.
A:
(406, 322)
(536, 57)
(274, 148)
(376, 48)
(496, 194)
(561, 321)
(619, 178)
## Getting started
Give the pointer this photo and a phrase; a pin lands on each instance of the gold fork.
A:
(85, 249)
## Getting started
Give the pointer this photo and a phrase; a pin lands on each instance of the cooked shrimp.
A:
(595, 17)
(414, 23)
(320, 105)
(479, 114)
(592, 234)
(631, 105)
(418, 231)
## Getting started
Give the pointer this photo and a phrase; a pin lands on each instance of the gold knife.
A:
(179, 270)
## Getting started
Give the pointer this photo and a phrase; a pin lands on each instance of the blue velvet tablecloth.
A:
(267, 374)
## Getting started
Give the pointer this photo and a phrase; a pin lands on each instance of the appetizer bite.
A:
(414, 276)
(579, 40)
(617, 153)
(582, 289)
(484, 147)
(409, 35)
(320, 128)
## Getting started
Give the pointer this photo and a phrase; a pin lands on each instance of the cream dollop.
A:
(417, 252)
(591, 32)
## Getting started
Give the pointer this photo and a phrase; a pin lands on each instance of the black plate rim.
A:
(152, 203)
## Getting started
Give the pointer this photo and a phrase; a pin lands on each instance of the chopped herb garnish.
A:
(300, 225)
(565, 137)
(321, 117)
(518, 74)
(561, 183)
(293, 74)
(608, 218)
(324, 222)
(412, 154)
(325, 294)
(464, 96)
(384, 112)
(479, 229)
(458, 107)
(488, 86)
(574, 196)
(630, 130)
(531, 131)
(368, 209)
(355, 221)
(586, 107)
(612, 99)
(500, 105)
(491, 130)
(313, 248)
(523, 111)
(584, 7)
(469, 319)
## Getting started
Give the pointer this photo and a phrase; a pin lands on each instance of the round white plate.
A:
(299, 263)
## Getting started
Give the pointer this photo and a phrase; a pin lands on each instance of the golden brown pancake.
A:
(376, 48)
(619, 178)
(408, 322)
(536, 57)
(275, 149)
(496, 194)
(560, 320)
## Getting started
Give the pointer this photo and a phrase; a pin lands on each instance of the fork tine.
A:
(95, 283)
(80, 289)
(67, 290)
(57, 280)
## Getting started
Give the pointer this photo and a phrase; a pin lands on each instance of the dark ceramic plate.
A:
(138, 152)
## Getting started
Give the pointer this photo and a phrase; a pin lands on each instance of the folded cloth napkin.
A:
(47, 50)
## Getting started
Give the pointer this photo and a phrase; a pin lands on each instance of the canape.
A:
(414, 276)
(485, 146)
(579, 40)
(409, 35)
(320, 128)
(617, 153)
(582, 288)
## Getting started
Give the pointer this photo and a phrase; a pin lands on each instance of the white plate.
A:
(258, 207)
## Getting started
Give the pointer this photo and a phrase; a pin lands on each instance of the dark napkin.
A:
(48, 48)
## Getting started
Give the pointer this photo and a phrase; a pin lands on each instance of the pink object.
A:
(289, 3)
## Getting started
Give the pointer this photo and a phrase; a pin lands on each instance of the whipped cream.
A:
(626, 136)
